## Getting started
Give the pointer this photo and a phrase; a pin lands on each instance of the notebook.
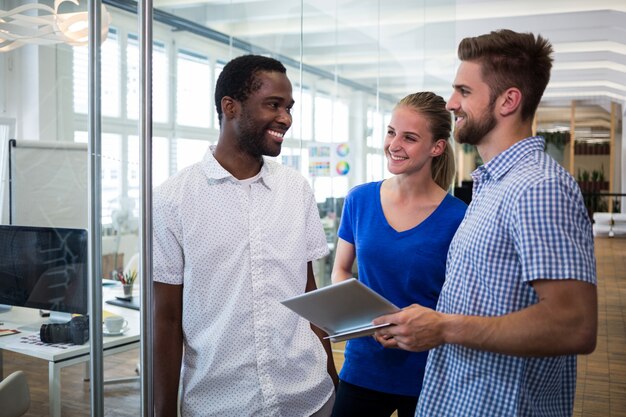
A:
(344, 310)
(132, 303)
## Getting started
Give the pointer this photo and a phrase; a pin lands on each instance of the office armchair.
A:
(14, 395)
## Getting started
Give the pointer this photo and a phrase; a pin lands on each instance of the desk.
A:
(60, 357)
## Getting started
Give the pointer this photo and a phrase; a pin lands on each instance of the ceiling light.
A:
(40, 24)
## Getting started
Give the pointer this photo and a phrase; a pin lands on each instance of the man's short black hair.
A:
(237, 79)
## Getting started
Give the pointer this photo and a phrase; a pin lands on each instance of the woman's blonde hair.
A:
(433, 107)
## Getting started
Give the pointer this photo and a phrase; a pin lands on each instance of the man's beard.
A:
(474, 130)
(252, 138)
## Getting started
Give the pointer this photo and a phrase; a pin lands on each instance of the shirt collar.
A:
(217, 174)
(503, 162)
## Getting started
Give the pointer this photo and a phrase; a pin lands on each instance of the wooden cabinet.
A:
(603, 148)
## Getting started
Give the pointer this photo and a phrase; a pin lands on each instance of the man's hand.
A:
(563, 322)
(415, 328)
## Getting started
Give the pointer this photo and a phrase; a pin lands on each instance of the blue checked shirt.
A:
(527, 221)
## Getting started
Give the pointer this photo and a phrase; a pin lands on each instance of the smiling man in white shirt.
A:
(233, 236)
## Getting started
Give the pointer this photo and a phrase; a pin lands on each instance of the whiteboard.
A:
(48, 184)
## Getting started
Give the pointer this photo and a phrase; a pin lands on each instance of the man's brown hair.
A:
(510, 59)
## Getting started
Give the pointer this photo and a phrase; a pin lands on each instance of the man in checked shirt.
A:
(519, 301)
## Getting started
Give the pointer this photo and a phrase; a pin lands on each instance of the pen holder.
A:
(128, 290)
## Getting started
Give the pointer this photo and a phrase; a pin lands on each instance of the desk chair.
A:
(14, 395)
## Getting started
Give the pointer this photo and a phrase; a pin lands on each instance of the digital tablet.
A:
(344, 310)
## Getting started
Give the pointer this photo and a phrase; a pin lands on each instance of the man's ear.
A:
(229, 107)
(511, 101)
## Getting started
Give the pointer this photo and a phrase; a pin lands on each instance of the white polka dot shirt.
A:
(238, 253)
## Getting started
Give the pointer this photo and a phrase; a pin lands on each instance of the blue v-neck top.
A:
(405, 267)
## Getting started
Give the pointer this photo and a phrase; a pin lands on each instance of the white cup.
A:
(115, 324)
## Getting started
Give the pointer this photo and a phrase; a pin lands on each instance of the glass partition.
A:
(349, 62)
(44, 194)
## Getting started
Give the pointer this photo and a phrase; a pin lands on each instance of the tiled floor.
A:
(601, 389)
(601, 384)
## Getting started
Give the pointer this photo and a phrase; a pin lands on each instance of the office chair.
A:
(14, 395)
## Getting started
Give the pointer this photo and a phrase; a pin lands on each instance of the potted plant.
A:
(604, 185)
(584, 183)
(595, 180)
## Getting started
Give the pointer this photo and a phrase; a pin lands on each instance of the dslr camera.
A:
(76, 331)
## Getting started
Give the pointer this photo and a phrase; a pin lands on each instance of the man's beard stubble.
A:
(476, 129)
(252, 138)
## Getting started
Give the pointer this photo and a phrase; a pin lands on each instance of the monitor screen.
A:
(44, 267)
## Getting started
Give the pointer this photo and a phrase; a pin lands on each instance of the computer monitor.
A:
(44, 267)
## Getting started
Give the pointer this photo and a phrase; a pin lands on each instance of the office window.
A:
(80, 137)
(290, 157)
(193, 90)
(323, 118)
(340, 186)
(341, 121)
(374, 167)
(189, 151)
(377, 123)
(160, 167)
(160, 83)
(7, 129)
(219, 66)
(111, 68)
(302, 114)
(120, 102)
(322, 187)
(327, 187)
(160, 80)
(111, 171)
(160, 160)
(331, 119)
(132, 77)
(386, 121)
(111, 174)
(376, 129)
(133, 171)
(296, 116)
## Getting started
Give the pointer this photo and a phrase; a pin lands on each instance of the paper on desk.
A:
(107, 313)
(33, 342)
(8, 332)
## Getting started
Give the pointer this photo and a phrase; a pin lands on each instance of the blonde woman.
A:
(400, 230)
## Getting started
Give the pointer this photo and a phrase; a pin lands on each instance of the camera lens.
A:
(54, 333)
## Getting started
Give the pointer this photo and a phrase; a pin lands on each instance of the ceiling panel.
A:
(408, 44)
